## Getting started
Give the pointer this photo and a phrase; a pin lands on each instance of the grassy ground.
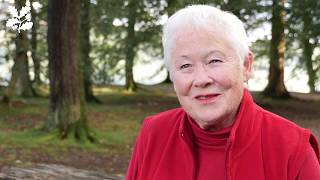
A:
(115, 123)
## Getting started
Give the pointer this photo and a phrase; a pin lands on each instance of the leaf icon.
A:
(20, 20)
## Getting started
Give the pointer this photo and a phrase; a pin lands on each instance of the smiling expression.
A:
(208, 77)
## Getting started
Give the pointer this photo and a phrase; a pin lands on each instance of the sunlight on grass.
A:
(107, 89)
(37, 139)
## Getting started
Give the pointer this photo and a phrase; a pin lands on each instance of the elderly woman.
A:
(219, 133)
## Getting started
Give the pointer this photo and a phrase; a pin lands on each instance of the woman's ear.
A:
(247, 66)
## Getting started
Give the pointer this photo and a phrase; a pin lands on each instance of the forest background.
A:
(76, 86)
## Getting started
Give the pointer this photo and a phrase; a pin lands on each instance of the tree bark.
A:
(276, 87)
(67, 105)
(307, 55)
(34, 44)
(130, 46)
(167, 80)
(170, 9)
(308, 51)
(20, 83)
(86, 65)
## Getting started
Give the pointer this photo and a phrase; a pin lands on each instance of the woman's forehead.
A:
(200, 41)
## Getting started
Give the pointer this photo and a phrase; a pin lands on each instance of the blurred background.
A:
(75, 87)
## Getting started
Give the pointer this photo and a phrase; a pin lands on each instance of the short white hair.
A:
(210, 18)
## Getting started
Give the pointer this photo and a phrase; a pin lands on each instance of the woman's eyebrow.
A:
(215, 52)
(185, 57)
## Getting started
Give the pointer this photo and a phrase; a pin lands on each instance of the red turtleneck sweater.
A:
(259, 145)
(210, 152)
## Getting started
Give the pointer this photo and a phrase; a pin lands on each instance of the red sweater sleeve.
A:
(132, 171)
(310, 168)
(137, 155)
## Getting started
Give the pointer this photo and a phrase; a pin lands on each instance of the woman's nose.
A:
(202, 78)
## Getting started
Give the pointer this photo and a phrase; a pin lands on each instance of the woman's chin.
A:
(207, 123)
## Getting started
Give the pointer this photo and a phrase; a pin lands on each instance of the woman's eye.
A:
(184, 66)
(214, 61)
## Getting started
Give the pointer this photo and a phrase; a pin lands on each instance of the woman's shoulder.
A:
(280, 130)
(164, 119)
(276, 123)
(286, 139)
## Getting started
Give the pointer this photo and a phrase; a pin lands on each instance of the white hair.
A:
(210, 18)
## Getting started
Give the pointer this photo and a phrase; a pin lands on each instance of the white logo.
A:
(19, 21)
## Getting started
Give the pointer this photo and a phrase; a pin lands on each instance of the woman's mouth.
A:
(207, 98)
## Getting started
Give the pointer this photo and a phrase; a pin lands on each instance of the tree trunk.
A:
(34, 44)
(307, 55)
(276, 87)
(20, 83)
(167, 80)
(170, 9)
(308, 51)
(67, 105)
(86, 65)
(130, 46)
(23, 82)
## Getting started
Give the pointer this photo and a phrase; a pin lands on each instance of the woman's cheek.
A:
(227, 78)
(223, 80)
(182, 84)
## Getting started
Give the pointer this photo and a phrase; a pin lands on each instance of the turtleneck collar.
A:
(207, 138)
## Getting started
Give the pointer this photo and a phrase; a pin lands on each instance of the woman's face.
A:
(208, 77)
